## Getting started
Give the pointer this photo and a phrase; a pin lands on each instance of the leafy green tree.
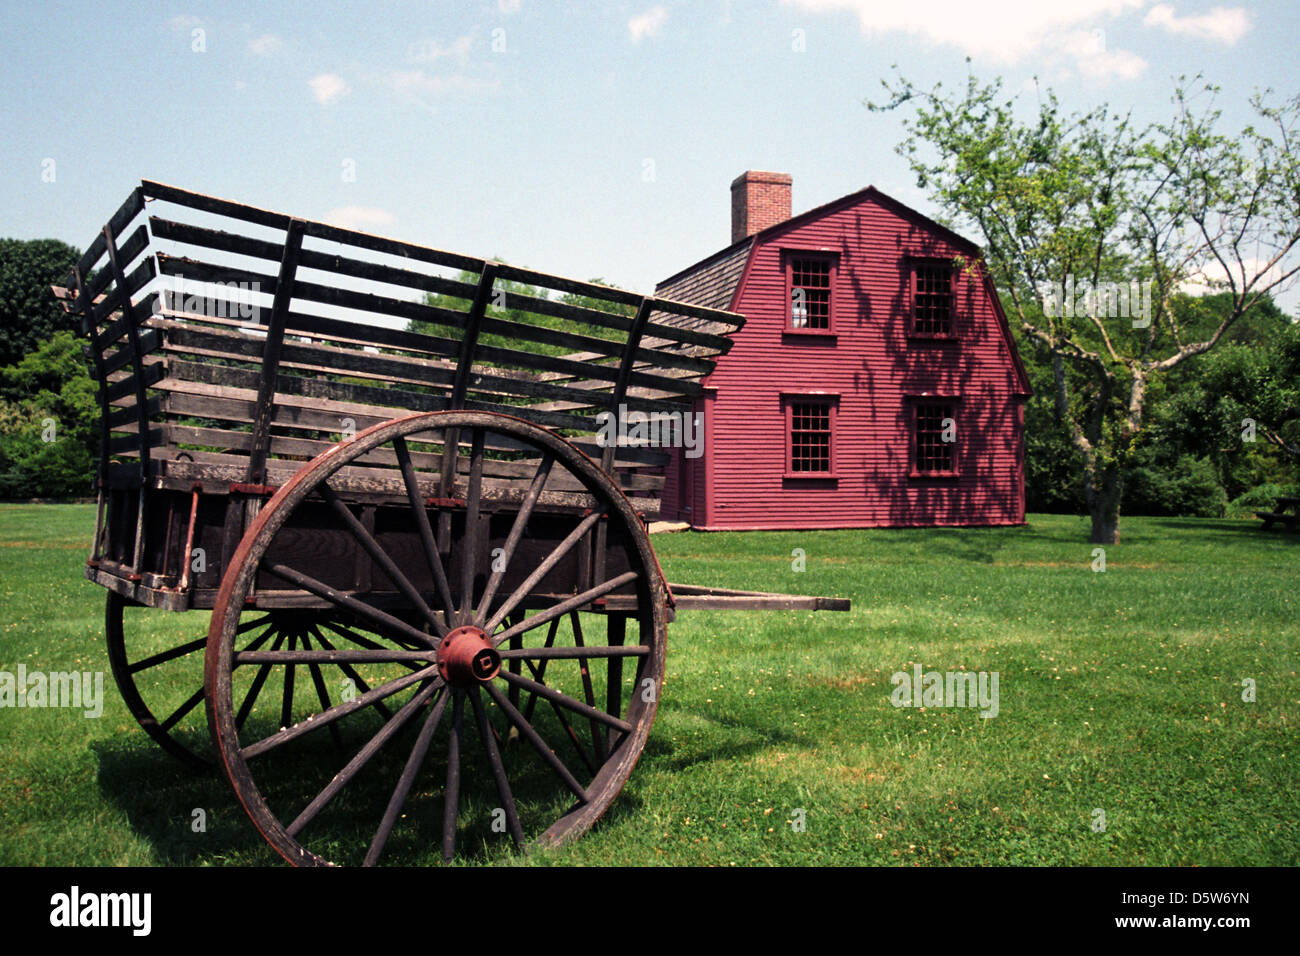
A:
(49, 423)
(29, 315)
(1243, 409)
(1090, 199)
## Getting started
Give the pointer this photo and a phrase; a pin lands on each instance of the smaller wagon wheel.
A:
(474, 621)
(162, 686)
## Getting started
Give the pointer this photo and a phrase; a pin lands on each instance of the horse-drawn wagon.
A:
(380, 467)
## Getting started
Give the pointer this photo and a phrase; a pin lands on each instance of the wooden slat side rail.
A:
(236, 406)
(373, 243)
(503, 362)
(367, 394)
(316, 230)
(202, 271)
(386, 370)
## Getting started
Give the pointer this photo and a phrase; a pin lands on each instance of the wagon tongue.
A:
(466, 657)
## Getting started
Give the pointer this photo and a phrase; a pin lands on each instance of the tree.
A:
(49, 423)
(1135, 219)
(29, 315)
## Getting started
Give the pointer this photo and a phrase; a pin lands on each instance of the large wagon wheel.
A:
(447, 650)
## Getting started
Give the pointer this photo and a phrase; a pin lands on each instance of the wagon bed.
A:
(244, 356)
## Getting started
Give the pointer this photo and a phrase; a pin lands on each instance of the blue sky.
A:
(580, 139)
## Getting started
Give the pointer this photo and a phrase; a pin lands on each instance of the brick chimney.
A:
(758, 200)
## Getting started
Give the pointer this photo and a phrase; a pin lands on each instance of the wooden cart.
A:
(381, 468)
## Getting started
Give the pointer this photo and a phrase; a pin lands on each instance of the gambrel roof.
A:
(715, 281)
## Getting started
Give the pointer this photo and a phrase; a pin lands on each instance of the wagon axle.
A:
(466, 657)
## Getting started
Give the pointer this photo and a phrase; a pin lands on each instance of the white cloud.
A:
(265, 45)
(360, 217)
(1019, 28)
(1091, 57)
(328, 87)
(507, 7)
(1223, 24)
(1213, 277)
(647, 24)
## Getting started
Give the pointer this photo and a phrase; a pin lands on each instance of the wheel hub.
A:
(466, 657)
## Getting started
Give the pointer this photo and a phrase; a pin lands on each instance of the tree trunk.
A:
(1104, 490)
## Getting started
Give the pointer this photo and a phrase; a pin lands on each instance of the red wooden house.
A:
(875, 383)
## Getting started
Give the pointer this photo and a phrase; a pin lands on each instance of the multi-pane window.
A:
(810, 437)
(936, 438)
(810, 293)
(932, 298)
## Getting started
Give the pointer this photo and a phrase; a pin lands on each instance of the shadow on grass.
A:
(1237, 528)
(662, 753)
(977, 545)
(159, 797)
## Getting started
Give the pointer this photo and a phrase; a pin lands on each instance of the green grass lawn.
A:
(1119, 691)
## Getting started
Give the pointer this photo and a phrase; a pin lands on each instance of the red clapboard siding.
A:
(872, 365)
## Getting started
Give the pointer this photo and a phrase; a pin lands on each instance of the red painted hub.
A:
(467, 657)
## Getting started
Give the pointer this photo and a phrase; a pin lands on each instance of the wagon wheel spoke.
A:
(470, 556)
(286, 700)
(512, 539)
(564, 700)
(361, 641)
(559, 715)
(549, 653)
(307, 656)
(384, 622)
(564, 607)
(487, 734)
(540, 672)
(183, 650)
(537, 742)
(543, 569)
(322, 694)
(168, 655)
(597, 737)
(344, 776)
(427, 542)
(339, 711)
(182, 710)
(382, 558)
(451, 794)
(403, 789)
